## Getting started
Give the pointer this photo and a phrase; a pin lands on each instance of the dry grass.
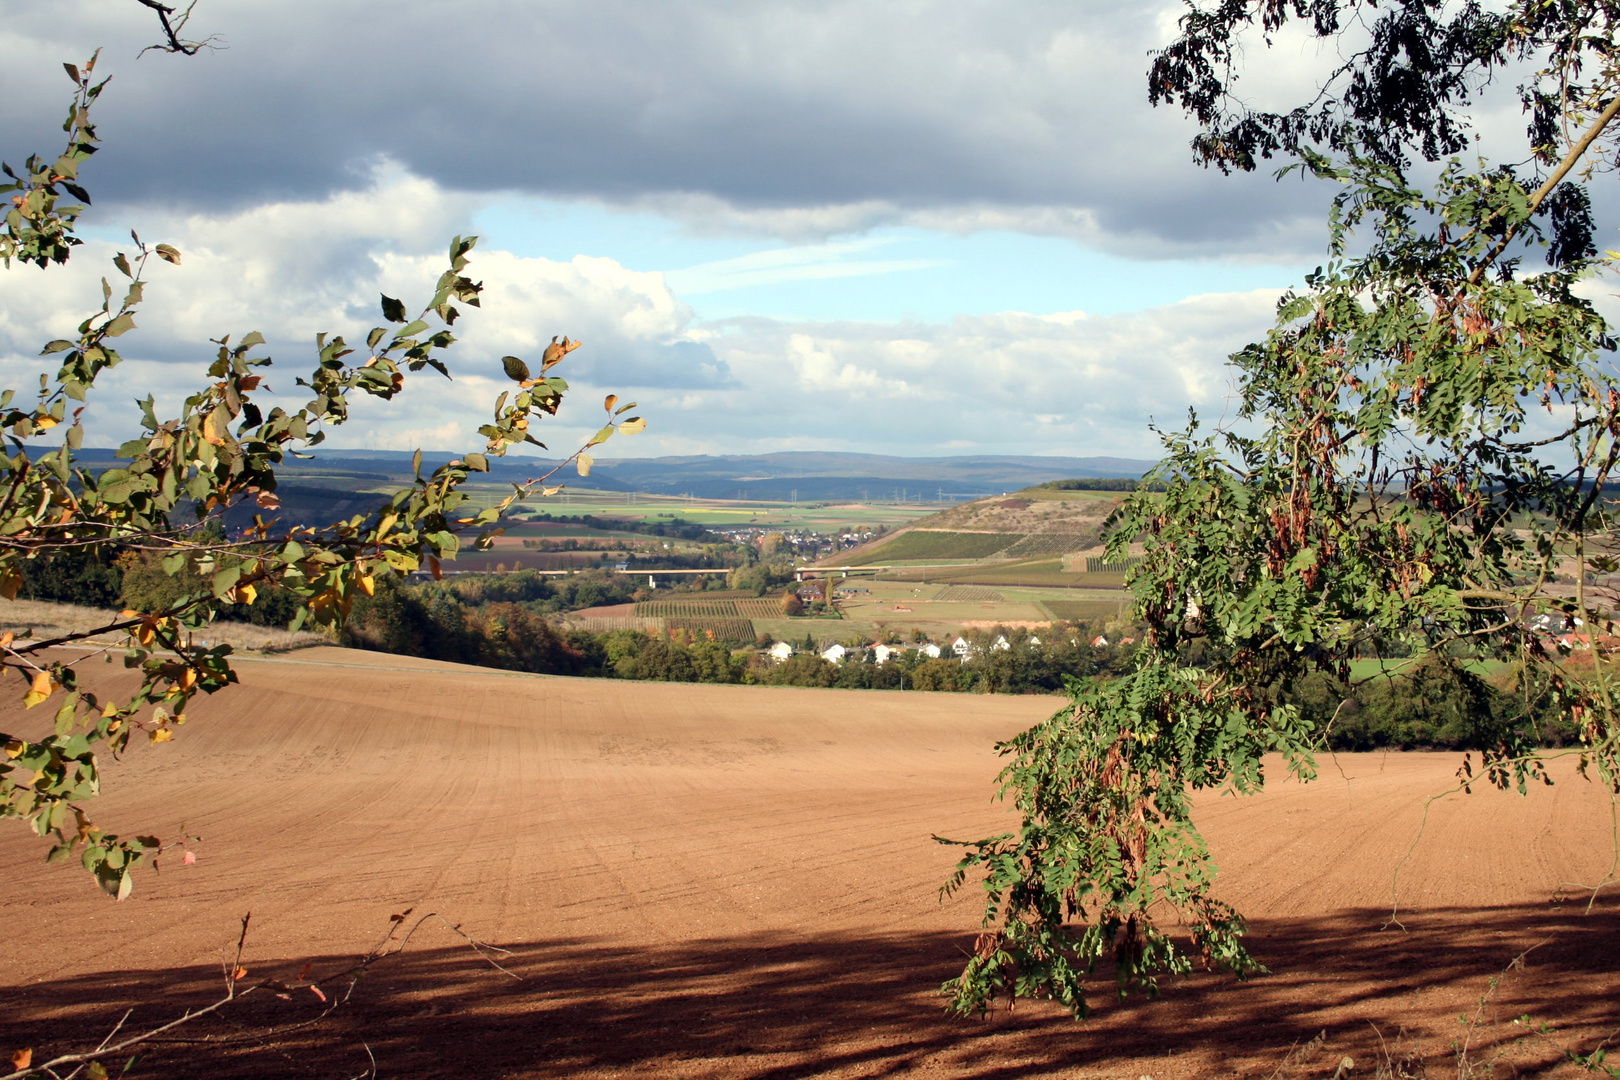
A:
(45, 619)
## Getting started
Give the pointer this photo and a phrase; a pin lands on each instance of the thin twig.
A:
(352, 973)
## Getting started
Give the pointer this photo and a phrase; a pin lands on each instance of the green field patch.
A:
(1047, 572)
(1083, 610)
(1104, 580)
(936, 545)
(969, 593)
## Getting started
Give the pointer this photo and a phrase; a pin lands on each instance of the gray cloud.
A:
(1030, 115)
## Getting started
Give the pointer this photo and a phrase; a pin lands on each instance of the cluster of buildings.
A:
(961, 649)
(805, 542)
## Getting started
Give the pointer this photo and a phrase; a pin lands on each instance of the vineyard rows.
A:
(601, 624)
(939, 545)
(733, 632)
(1037, 544)
(966, 594)
(759, 607)
(688, 609)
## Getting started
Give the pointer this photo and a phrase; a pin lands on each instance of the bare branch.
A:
(173, 21)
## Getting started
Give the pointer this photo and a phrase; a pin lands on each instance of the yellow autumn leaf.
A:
(44, 423)
(216, 426)
(40, 690)
(14, 748)
(162, 734)
(246, 594)
(368, 584)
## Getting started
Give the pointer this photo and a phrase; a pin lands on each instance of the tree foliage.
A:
(1426, 444)
(163, 502)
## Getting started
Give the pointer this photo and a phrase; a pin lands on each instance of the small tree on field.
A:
(1428, 437)
(176, 481)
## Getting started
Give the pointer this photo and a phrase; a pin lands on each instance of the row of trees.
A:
(1427, 700)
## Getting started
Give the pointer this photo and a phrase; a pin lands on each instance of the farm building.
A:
(779, 651)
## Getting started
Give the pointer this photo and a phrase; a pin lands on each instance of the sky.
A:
(906, 227)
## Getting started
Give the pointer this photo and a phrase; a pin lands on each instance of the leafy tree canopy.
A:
(1421, 466)
(164, 500)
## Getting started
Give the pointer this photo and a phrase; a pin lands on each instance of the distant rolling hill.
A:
(1019, 538)
(809, 476)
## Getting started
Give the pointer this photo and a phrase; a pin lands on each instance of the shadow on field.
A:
(777, 1009)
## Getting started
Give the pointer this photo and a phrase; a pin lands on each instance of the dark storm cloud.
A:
(1015, 109)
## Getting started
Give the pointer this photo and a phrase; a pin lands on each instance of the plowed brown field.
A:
(739, 882)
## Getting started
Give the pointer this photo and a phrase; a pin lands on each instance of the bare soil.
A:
(739, 882)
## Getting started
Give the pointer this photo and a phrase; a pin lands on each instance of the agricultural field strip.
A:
(735, 631)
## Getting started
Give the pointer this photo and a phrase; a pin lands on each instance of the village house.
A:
(834, 654)
(780, 651)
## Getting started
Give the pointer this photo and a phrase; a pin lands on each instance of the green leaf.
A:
(123, 324)
(393, 310)
(515, 369)
(225, 579)
(476, 462)
(410, 330)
